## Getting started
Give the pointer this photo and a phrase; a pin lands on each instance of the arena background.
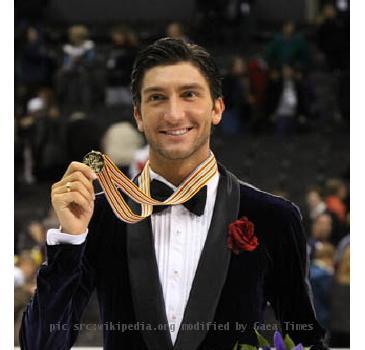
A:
(62, 111)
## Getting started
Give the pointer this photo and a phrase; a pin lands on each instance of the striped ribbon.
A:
(112, 179)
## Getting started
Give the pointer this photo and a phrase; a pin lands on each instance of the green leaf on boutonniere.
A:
(262, 341)
(236, 346)
(289, 342)
(247, 347)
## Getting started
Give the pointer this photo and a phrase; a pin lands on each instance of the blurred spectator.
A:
(24, 286)
(284, 100)
(30, 11)
(22, 296)
(32, 239)
(43, 133)
(35, 66)
(210, 17)
(237, 97)
(288, 48)
(239, 24)
(321, 275)
(50, 146)
(258, 73)
(323, 95)
(37, 232)
(315, 202)
(341, 248)
(75, 81)
(51, 220)
(25, 269)
(316, 206)
(176, 30)
(139, 160)
(321, 232)
(337, 192)
(80, 51)
(333, 39)
(339, 324)
(26, 130)
(120, 142)
(34, 236)
(119, 64)
(322, 227)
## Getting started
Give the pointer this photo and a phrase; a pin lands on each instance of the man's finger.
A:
(77, 166)
(77, 176)
(74, 186)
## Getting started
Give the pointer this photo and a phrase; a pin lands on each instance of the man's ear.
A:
(138, 117)
(218, 109)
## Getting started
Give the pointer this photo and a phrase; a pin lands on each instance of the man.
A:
(172, 279)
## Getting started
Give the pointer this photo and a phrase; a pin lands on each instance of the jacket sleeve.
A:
(287, 285)
(64, 286)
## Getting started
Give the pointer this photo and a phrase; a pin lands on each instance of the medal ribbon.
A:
(112, 179)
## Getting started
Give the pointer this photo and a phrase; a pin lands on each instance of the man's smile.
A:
(176, 132)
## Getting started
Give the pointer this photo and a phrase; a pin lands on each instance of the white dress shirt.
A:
(179, 237)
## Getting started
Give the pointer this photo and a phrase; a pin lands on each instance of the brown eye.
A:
(190, 94)
(155, 97)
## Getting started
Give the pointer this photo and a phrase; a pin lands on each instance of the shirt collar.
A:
(155, 176)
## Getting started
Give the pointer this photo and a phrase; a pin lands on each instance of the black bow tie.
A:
(161, 191)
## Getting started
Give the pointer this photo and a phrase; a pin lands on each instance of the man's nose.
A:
(174, 110)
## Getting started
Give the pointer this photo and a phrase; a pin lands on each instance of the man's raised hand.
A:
(73, 198)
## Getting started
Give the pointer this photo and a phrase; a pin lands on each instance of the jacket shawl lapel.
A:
(208, 281)
(148, 300)
(213, 265)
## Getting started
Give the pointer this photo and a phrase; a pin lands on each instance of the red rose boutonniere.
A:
(241, 236)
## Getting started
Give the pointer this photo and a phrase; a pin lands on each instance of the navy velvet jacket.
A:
(118, 260)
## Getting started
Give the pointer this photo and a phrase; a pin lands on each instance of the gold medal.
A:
(94, 160)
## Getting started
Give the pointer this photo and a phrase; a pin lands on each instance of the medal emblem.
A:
(94, 160)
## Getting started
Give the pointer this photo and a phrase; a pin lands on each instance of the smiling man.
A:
(187, 275)
(176, 105)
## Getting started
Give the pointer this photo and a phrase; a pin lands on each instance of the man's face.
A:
(177, 111)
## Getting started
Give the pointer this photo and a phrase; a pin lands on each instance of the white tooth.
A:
(177, 132)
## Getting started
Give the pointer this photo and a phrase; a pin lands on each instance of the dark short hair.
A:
(169, 51)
